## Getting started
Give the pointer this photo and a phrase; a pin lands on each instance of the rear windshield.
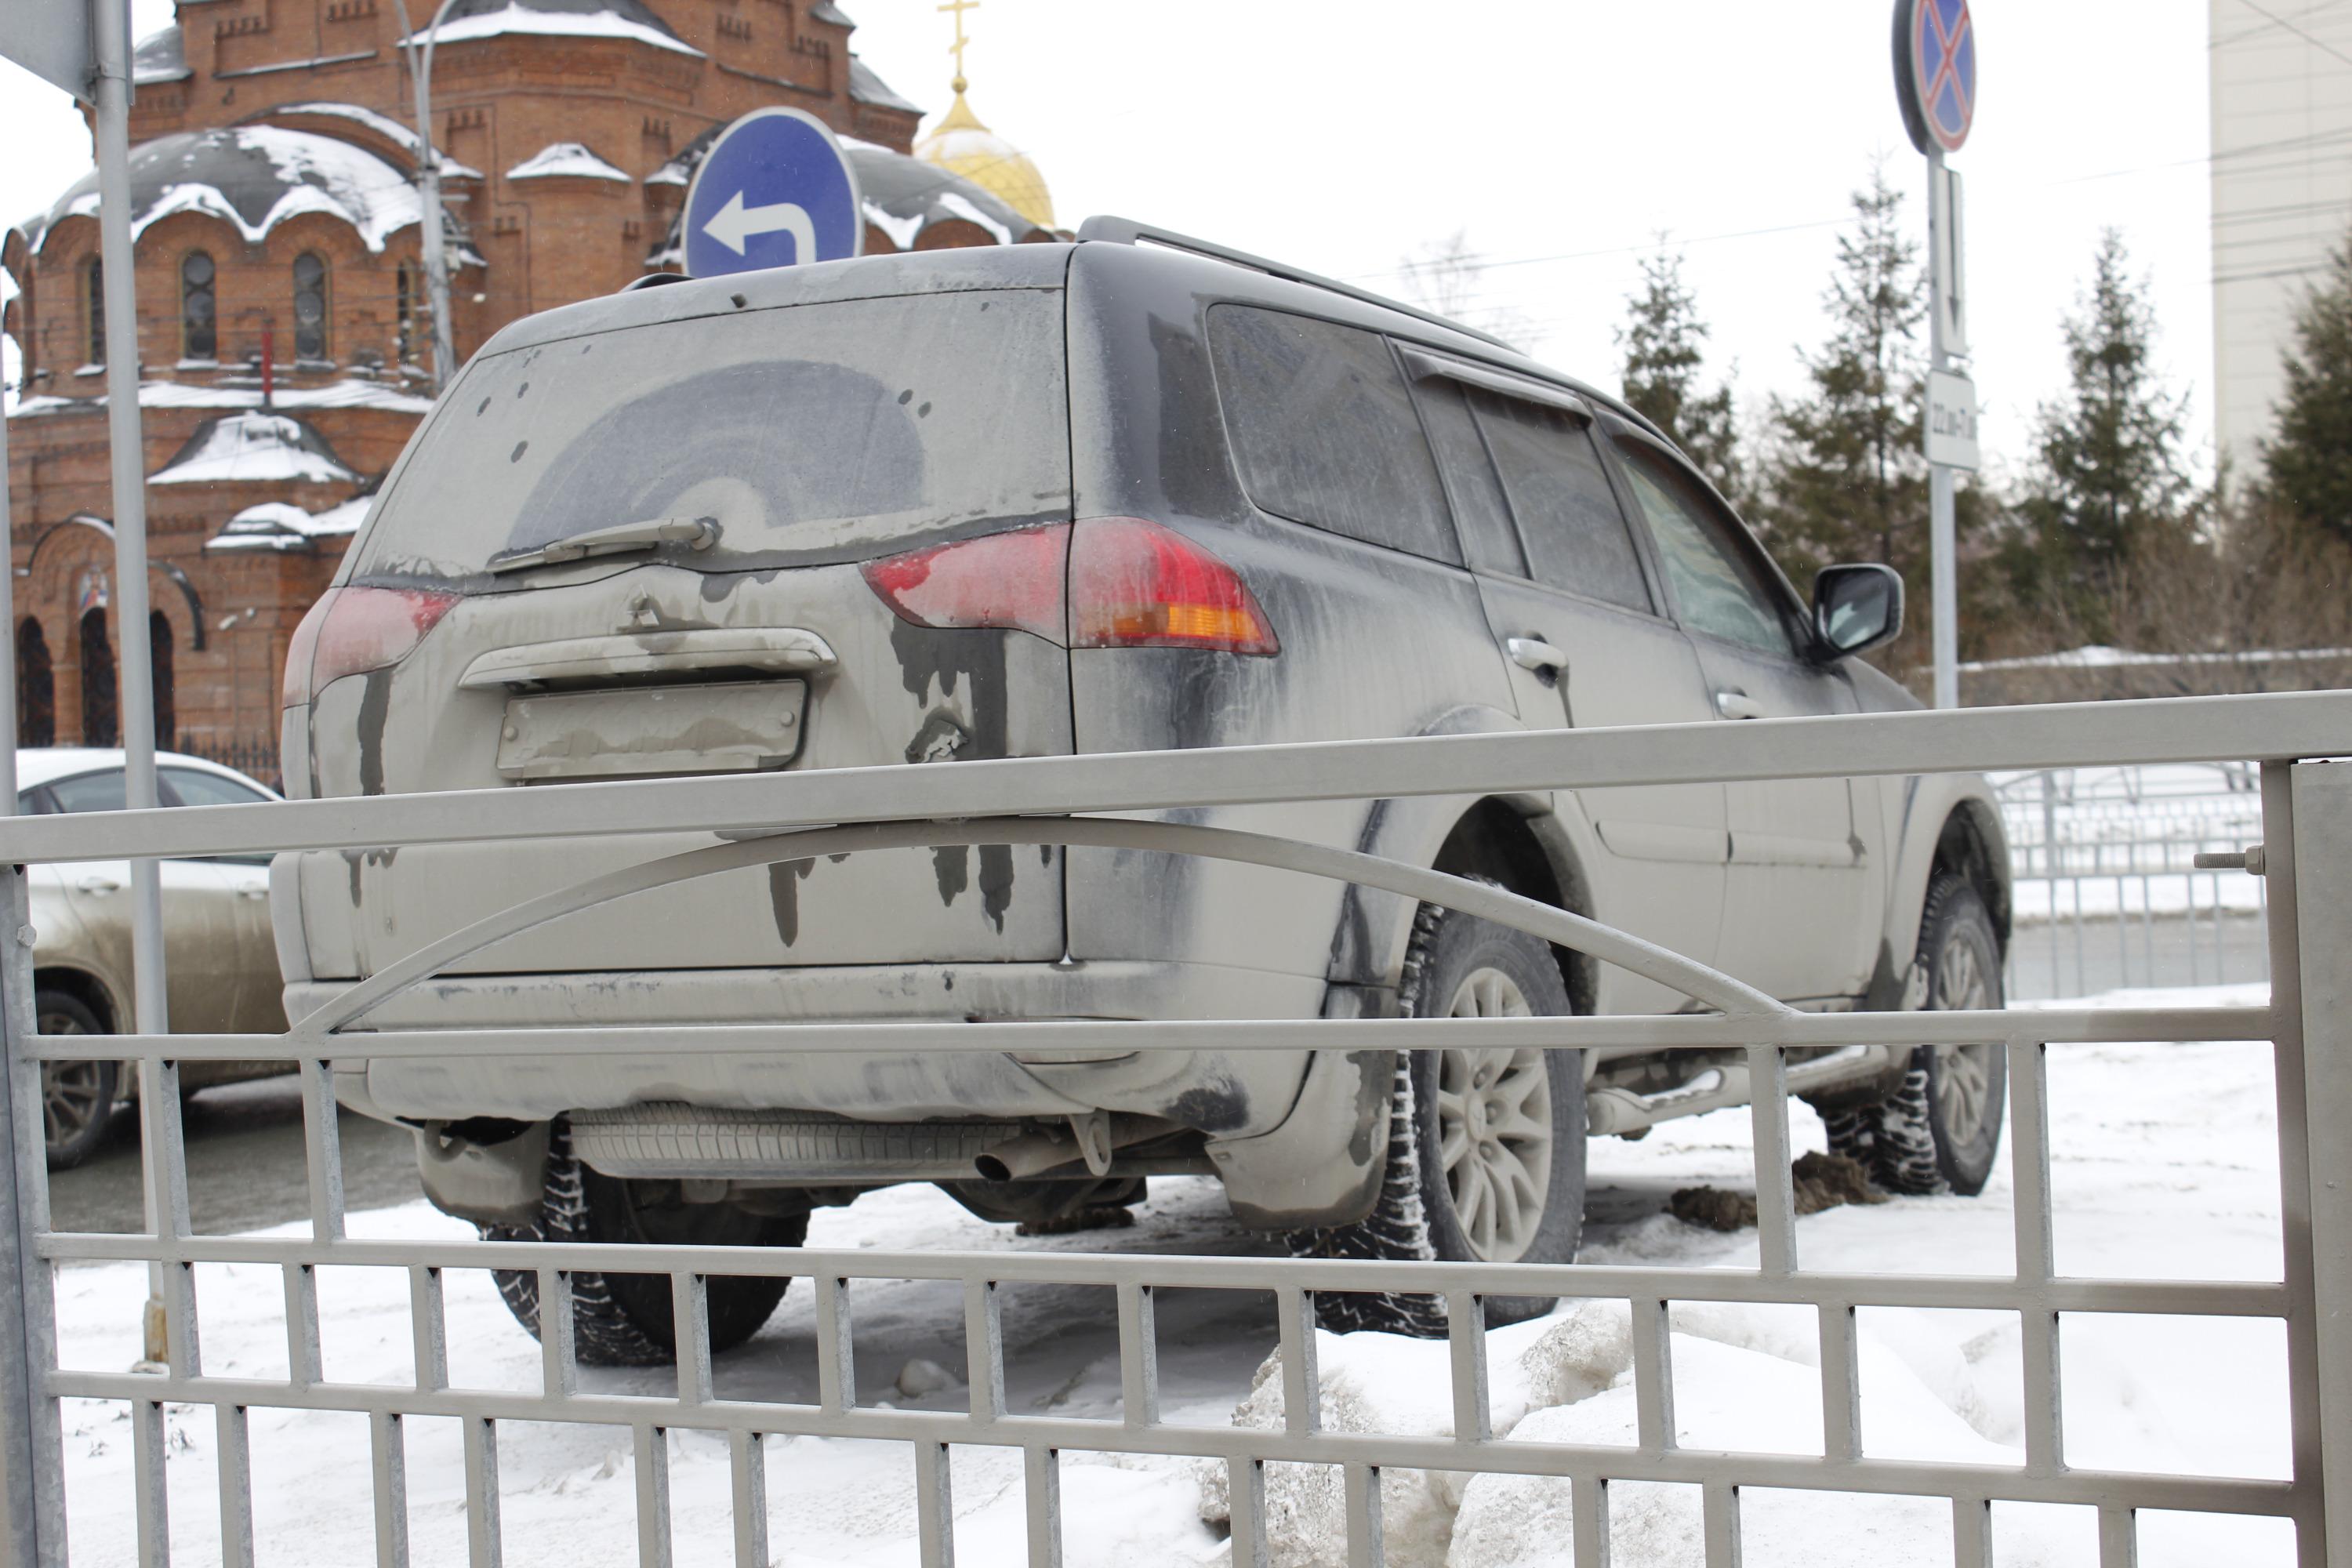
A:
(807, 433)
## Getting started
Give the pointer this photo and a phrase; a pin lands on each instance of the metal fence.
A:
(2306, 828)
(2109, 892)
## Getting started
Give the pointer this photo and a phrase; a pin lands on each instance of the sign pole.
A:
(1942, 519)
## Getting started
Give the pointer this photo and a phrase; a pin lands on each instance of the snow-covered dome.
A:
(254, 176)
(962, 144)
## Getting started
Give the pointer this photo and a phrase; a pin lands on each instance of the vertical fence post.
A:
(32, 1481)
(2307, 842)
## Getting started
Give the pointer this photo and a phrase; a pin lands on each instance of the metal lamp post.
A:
(437, 262)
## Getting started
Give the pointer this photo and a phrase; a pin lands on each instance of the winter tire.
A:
(1940, 1129)
(1486, 1160)
(626, 1319)
(77, 1098)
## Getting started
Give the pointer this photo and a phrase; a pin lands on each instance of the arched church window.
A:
(199, 335)
(309, 306)
(100, 723)
(93, 305)
(159, 664)
(36, 688)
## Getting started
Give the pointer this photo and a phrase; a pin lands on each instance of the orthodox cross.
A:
(957, 8)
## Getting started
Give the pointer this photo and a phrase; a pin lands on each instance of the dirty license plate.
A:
(735, 728)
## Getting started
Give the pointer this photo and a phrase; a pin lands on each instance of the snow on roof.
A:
(566, 158)
(254, 176)
(160, 57)
(868, 88)
(826, 11)
(386, 126)
(248, 447)
(566, 18)
(344, 394)
(281, 526)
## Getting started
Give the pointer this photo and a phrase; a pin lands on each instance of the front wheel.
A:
(627, 1320)
(77, 1098)
(1940, 1129)
(1486, 1160)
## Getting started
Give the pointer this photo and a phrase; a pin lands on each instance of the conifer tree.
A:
(1664, 342)
(2109, 480)
(2307, 461)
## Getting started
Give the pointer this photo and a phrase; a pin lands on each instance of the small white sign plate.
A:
(1952, 421)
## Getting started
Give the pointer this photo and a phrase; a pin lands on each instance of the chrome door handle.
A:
(1534, 652)
(99, 885)
(1737, 705)
(257, 894)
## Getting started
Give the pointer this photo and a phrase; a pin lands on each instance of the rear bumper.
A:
(1229, 1095)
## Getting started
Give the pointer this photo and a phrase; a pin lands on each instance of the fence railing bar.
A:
(2186, 1298)
(1245, 1493)
(304, 1363)
(234, 1460)
(1139, 1354)
(934, 1506)
(1971, 1533)
(2265, 727)
(652, 1468)
(484, 1545)
(2044, 1409)
(690, 1319)
(1302, 1388)
(164, 1166)
(984, 1332)
(388, 1458)
(1654, 1376)
(429, 1328)
(2029, 1146)
(2119, 1538)
(152, 1494)
(1776, 1201)
(1041, 1470)
(1465, 1333)
(558, 1357)
(2142, 1026)
(1361, 1495)
(1719, 1519)
(34, 1516)
(2281, 897)
(747, 1472)
(836, 1358)
(322, 1148)
(1588, 1520)
(1840, 1384)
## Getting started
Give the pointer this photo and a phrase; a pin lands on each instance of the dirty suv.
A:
(1109, 496)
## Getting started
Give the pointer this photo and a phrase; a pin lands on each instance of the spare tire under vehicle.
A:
(1486, 1148)
(626, 1319)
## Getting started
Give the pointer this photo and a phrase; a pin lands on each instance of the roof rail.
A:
(1127, 231)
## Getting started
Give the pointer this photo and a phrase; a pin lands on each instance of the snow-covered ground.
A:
(2165, 1166)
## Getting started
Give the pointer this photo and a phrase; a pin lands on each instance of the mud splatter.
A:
(951, 864)
(785, 879)
(995, 882)
(375, 706)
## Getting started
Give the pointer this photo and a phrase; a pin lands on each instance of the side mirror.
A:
(1856, 608)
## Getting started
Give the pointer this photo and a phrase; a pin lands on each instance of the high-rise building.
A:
(2281, 105)
(284, 328)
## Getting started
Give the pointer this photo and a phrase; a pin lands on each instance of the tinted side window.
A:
(1720, 590)
(1575, 534)
(195, 788)
(1479, 510)
(1325, 431)
(89, 792)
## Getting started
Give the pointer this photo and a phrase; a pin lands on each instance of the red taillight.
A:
(351, 631)
(1135, 584)
(1129, 584)
(997, 580)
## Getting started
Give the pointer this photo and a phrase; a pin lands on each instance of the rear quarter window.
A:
(1323, 430)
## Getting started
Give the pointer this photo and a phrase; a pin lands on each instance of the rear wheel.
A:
(77, 1098)
(1940, 1129)
(1486, 1160)
(626, 1319)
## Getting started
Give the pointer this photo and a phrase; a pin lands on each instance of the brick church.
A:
(285, 330)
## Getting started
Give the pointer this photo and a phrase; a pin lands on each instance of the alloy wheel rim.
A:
(1494, 1126)
(70, 1091)
(1963, 1076)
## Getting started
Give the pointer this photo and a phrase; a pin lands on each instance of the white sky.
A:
(1563, 135)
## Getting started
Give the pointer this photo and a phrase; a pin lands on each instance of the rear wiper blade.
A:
(695, 533)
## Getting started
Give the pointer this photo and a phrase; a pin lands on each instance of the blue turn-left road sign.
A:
(774, 190)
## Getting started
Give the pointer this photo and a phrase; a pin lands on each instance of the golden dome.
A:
(962, 145)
